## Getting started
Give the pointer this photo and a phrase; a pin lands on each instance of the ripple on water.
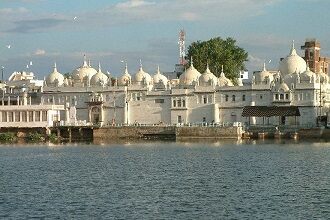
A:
(166, 181)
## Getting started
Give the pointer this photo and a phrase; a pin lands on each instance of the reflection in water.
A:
(204, 179)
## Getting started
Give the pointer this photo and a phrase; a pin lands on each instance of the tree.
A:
(217, 52)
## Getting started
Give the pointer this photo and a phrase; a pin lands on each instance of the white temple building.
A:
(291, 96)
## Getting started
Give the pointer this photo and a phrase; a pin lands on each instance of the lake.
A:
(201, 179)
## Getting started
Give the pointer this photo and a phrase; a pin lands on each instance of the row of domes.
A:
(86, 72)
(292, 64)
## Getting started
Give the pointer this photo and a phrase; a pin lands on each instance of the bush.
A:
(53, 138)
(35, 137)
(7, 137)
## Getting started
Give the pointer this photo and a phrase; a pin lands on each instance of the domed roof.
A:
(282, 86)
(223, 80)
(55, 78)
(158, 77)
(83, 71)
(208, 78)
(99, 78)
(190, 75)
(263, 75)
(307, 75)
(140, 76)
(125, 79)
(292, 63)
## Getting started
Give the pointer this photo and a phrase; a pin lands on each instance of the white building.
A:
(193, 98)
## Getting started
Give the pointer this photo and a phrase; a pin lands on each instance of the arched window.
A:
(233, 98)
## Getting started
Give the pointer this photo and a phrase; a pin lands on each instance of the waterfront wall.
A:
(209, 132)
(166, 132)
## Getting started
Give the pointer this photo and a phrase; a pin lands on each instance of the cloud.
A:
(26, 26)
(12, 11)
(133, 4)
(40, 52)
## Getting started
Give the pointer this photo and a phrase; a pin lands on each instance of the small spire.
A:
(207, 68)
(222, 74)
(293, 50)
(140, 64)
(126, 69)
(100, 67)
(89, 63)
(191, 61)
(264, 68)
(55, 68)
(158, 70)
(85, 61)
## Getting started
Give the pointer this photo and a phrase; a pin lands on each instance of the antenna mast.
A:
(182, 48)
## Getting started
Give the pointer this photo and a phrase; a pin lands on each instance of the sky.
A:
(112, 31)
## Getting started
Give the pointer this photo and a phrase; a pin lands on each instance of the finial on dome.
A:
(126, 69)
(158, 70)
(100, 67)
(85, 61)
(264, 69)
(140, 64)
(89, 63)
(191, 61)
(222, 74)
(55, 68)
(293, 50)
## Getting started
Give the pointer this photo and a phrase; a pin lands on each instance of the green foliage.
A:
(35, 137)
(52, 138)
(7, 137)
(217, 52)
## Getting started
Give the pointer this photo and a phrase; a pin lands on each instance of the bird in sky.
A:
(31, 63)
(75, 18)
(8, 46)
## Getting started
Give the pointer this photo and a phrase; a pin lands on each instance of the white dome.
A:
(99, 78)
(189, 76)
(158, 77)
(125, 79)
(264, 75)
(223, 80)
(55, 78)
(140, 76)
(292, 63)
(83, 71)
(208, 78)
(282, 87)
(307, 76)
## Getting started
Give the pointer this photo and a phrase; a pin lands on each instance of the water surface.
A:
(166, 180)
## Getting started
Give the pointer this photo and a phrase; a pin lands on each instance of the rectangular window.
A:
(243, 98)
(183, 103)
(30, 116)
(44, 115)
(226, 98)
(233, 98)
(286, 96)
(204, 100)
(159, 100)
(4, 116)
(174, 103)
(260, 96)
(10, 116)
(17, 116)
(179, 119)
(276, 96)
(37, 116)
(179, 103)
(24, 116)
(281, 96)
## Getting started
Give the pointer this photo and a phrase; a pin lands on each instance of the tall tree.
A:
(217, 52)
